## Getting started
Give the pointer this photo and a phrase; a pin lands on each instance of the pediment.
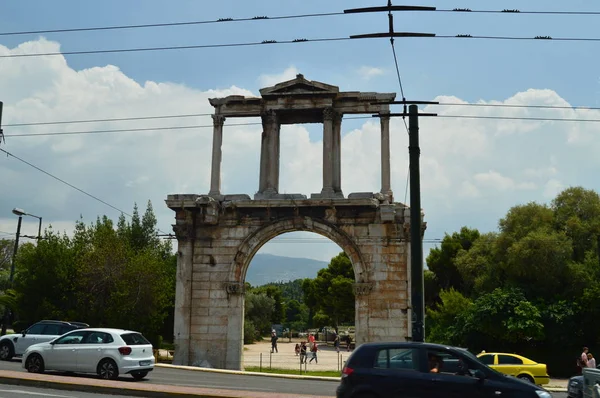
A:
(299, 86)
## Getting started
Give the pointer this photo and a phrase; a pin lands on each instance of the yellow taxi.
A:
(516, 365)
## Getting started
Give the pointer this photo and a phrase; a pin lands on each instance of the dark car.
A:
(15, 344)
(575, 387)
(424, 370)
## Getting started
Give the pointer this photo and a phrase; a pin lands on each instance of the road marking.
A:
(36, 393)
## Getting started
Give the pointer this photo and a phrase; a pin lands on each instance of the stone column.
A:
(327, 190)
(269, 155)
(215, 176)
(386, 187)
(337, 153)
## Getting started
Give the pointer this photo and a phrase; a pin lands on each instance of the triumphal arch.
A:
(219, 233)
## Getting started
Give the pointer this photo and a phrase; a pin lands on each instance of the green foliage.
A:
(120, 277)
(258, 310)
(275, 293)
(530, 288)
(330, 296)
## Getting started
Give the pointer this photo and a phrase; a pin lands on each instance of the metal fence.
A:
(268, 361)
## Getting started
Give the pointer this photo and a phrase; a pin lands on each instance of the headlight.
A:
(543, 394)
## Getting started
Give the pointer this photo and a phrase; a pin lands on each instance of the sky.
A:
(472, 170)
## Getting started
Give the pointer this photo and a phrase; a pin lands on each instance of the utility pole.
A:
(1, 133)
(417, 297)
(12, 275)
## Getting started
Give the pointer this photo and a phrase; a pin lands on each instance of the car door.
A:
(50, 332)
(396, 372)
(509, 365)
(91, 350)
(30, 336)
(62, 354)
(451, 375)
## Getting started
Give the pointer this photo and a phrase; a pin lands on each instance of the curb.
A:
(138, 389)
(241, 372)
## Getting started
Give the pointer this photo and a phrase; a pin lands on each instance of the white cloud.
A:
(267, 80)
(472, 170)
(369, 72)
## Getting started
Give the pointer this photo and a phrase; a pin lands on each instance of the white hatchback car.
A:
(106, 352)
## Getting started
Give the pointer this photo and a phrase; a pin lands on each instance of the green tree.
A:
(577, 214)
(258, 309)
(331, 293)
(441, 324)
(441, 260)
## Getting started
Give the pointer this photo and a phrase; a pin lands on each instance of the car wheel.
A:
(139, 375)
(107, 369)
(35, 364)
(6, 351)
(525, 378)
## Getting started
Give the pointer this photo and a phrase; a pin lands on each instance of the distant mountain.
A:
(266, 268)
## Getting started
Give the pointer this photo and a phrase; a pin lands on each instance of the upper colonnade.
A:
(302, 101)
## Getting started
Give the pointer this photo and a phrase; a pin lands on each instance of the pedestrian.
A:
(297, 349)
(274, 341)
(591, 363)
(303, 352)
(582, 360)
(348, 341)
(336, 343)
(314, 350)
(311, 340)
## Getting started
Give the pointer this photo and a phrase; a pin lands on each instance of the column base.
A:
(328, 193)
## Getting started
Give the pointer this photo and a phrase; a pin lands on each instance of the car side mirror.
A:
(52, 342)
(24, 333)
(478, 374)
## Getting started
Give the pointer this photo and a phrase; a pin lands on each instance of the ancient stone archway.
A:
(219, 234)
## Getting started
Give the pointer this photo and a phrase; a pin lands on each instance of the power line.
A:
(148, 129)
(158, 25)
(106, 120)
(522, 106)
(66, 183)
(209, 114)
(124, 50)
(507, 11)
(543, 119)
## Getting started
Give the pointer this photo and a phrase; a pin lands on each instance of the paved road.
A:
(190, 378)
(27, 392)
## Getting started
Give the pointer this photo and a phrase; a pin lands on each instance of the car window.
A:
(98, 338)
(134, 339)
(509, 360)
(488, 359)
(447, 362)
(38, 328)
(52, 329)
(71, 338)
(397, 358)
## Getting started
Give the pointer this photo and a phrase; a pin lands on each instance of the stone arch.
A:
(252, 244)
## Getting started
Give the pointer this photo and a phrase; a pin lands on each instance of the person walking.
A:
(591, 363)
(336, 343)
(274, 342)
(303, 352)
(314, 350)
(582, 361)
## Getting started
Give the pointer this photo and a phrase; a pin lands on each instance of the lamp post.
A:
(20, 213)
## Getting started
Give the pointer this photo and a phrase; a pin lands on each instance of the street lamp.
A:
(21, 212)
(18, 212)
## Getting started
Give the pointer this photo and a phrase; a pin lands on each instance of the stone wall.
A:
(218, 238)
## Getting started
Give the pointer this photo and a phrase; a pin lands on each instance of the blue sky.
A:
(473, 171)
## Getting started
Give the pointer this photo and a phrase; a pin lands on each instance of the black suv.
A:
(40, 332)
(425, 370)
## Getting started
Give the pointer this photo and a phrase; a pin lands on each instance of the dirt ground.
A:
(259, 354)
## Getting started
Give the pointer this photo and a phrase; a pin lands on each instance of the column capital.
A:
(384, 116)
(269, 116)
(218, 120)
(328, 114)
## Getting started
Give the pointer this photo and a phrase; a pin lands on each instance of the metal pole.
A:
(12, 275)
(598, 248)
(260, 365)
(416, 243)
(40, 229)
